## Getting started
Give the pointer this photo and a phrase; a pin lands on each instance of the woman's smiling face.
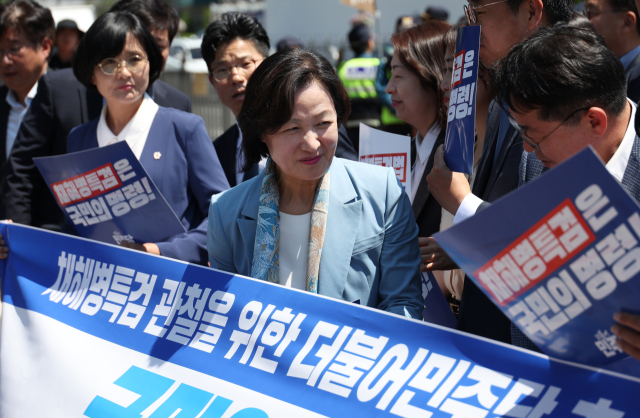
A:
(303, 148)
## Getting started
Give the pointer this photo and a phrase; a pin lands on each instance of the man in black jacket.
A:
(504, 24)
(63, 103)
(26, 41)
(233, 47)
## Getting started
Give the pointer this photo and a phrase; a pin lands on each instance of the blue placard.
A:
(108, 196)
(258, 341)
(461, 119)
(436, 308)
(559, 257)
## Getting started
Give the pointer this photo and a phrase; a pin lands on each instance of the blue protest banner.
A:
(108, 196)
(461, 119)
(559, 256)
(100, 330)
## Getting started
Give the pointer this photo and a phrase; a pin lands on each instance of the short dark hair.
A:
(232, 26)
(359, 37)
(155, 15)
(28, 16)
(559, 70)
(106, 39)
(555, 10)
(420, 50)
(269, 98)
(626, 6)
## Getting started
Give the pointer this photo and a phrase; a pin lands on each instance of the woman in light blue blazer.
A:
(311, 221)
(120, 58)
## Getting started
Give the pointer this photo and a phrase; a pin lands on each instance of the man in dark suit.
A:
(588, 107)
(497, 172)
(26, 40)
(233, 47)
(618, 23)
(61, 104)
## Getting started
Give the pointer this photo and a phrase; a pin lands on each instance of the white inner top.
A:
(135, 132)
(16, 113)
(294, 249)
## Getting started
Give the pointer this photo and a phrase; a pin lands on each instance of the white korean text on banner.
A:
(97, 330)
(559, 257)
(461, 118)
(108, 196)
(387, 150)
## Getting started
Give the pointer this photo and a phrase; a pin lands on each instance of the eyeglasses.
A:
(536, 145)
(470, 11)
(11, 52)
(245, 68)
(135, 64)
(590, 13)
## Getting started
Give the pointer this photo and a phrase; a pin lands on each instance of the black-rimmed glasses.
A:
(529, 141)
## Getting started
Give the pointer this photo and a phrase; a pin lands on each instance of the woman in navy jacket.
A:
(120, 58)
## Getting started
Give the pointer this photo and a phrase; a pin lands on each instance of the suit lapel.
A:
(511, 137)
(226, 146)
(423, 193)
(4, 122)
(156, 143)
(343, 221)
(248, 222)
(488, 150)
(630, 180)
(634, 63)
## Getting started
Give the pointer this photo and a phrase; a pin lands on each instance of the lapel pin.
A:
(157, 155)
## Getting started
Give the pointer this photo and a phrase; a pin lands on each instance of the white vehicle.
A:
(185, 55)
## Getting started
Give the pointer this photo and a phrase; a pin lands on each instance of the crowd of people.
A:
(278, 197)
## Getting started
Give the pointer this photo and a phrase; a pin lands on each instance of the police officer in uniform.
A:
(359, 78)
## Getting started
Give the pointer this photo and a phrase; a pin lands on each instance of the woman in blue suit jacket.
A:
(119, 57)
(312, 221)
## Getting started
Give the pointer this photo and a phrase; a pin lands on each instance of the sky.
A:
(324, 19)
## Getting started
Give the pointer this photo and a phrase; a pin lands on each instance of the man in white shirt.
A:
(565, 91)
(628, 330)
(26, 38)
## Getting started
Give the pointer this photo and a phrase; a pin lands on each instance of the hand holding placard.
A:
(448, 187)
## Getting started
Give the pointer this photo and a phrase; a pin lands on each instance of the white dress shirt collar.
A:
(16, 113)
(135, 132)
(13, 101)
(617, 165)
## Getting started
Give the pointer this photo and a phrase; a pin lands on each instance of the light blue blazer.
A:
(370, 250)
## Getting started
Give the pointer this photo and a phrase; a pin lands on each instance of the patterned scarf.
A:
(265, 264)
